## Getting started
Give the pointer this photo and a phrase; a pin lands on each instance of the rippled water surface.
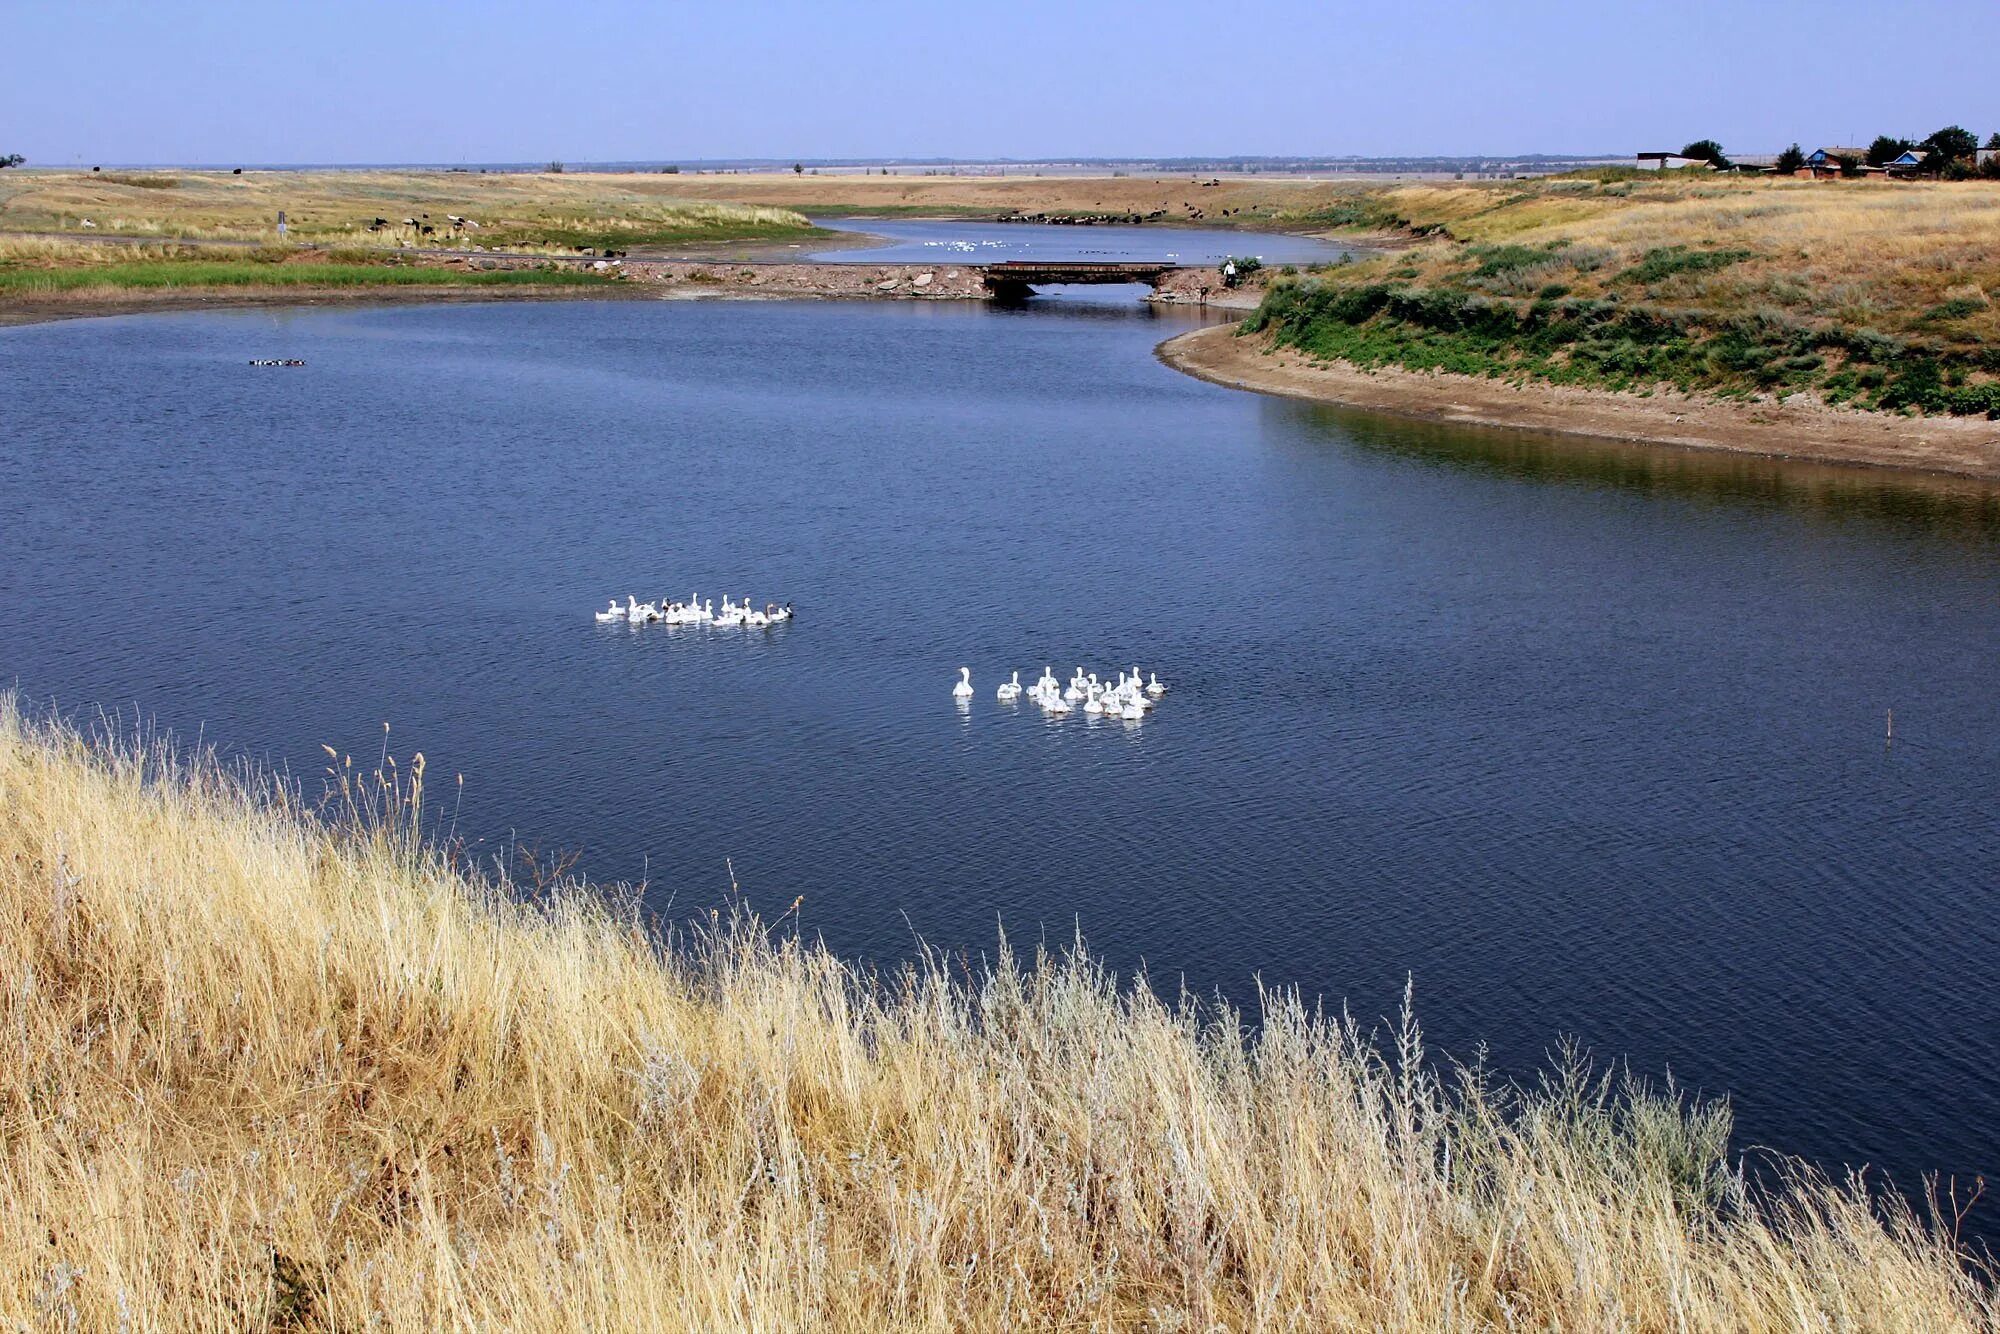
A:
(920, 240)
(1590, 740)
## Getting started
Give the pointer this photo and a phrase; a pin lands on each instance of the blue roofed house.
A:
(1828, 162)
(1907, 163)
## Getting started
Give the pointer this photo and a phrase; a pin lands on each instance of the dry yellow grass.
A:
(337, 207)
(267, 1071)
(56, 252)
(1880, 255)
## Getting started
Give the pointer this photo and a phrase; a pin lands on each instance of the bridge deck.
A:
(1077, 271)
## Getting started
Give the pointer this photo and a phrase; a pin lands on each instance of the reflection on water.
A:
(1940, 505)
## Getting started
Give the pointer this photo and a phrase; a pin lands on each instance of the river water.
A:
(928, 240)
(1589, 740)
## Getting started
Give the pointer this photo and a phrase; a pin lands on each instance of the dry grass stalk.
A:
(267, 1067)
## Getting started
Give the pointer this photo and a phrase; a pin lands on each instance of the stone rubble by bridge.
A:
(1170, 283)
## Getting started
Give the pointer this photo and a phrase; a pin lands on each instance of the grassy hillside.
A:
(1879, 294)
(272, 1067)
(515, 210)
(36, 268)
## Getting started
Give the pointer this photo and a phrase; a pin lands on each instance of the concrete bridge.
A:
(1017, 278)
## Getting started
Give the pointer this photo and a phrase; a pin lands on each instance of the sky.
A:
(227, 83)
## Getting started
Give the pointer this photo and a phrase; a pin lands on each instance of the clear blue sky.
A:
(89, 81)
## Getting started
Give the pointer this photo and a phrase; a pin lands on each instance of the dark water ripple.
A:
(1588, 739)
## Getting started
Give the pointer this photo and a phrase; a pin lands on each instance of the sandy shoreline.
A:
(1963, 446)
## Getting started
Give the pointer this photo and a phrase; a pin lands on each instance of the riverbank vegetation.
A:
(284, 1064)
(1875, 294)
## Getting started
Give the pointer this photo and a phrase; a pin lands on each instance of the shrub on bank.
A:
(1607, 343)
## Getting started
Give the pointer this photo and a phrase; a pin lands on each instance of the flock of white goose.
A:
(694, 612)
(1127, 698)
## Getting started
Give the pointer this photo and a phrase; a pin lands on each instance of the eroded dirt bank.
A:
(1796, 428)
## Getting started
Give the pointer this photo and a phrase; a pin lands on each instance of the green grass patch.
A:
(1955, 309)
(1674, 260)
(141, 180)
(1363, 214)
(895, 211)
(1606, 344)
(1495, 260)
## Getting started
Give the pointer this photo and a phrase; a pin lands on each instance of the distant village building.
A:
(1907, 163)
(1822, 163)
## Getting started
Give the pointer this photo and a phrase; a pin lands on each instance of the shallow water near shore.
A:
(1589, 740)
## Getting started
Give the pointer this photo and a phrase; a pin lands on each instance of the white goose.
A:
(1010, 690)
(1153, 686)
(612, 613)
(963, 690)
